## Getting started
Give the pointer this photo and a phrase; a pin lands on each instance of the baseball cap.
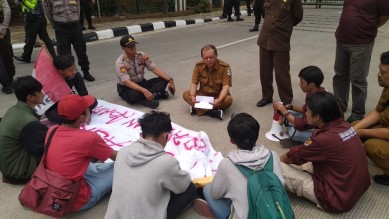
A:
(71, 106)
(127, 41)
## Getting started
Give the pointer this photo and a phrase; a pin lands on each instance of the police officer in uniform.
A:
(214, 77)
(258, 13)
(7, 68)
(132, 86)
(34, 24)
(274, 48)
(64, 16)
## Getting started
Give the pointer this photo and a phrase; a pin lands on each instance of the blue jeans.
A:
(99, 177)
(300, 136)
(221, 208)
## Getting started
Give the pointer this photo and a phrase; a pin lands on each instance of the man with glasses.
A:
(214, 77)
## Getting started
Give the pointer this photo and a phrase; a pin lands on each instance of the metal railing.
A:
(319, 3)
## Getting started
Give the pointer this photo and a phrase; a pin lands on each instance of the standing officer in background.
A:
(34, 24)
(64, 16)
(132, 85)
(258, 13)
(86, 9)
(236, 5)
(274, 48)
(7, 68)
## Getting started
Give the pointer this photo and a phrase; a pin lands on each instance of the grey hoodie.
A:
(143, 178)
(230, 183)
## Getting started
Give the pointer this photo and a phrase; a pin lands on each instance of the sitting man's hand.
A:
(172, 88)
(216, 102)
(88, 117)
(280, 108)
(148, 94)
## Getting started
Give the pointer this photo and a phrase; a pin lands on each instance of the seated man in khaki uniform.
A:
(373, 129)
(132, 85)
(214, 77)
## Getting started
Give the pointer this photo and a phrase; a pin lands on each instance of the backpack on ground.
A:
(267, 197)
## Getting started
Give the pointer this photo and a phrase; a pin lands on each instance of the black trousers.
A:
(85, 8)
(68, 34)
(258, 11)
(154, 85)
(248, 4)
(236, 5)
(179, 202)
(35, 25)
(7, 67)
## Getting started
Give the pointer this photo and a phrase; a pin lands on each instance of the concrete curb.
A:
(121, 31)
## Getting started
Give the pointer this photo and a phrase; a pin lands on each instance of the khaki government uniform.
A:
(274, 41)
(211, 83)
(378, 149)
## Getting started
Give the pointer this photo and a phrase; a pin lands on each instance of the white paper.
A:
(204, 102)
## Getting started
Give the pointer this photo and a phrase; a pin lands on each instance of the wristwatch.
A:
(170, 80)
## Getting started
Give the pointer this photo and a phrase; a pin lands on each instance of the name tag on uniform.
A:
(72, 3)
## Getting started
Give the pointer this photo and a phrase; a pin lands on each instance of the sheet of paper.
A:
(204, 102)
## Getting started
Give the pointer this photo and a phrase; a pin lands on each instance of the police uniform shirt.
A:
(63, 11)
(133, 70)
(211, 83)
(383, 108)
(279, 19)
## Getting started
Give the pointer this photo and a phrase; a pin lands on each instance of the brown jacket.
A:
(279, 18)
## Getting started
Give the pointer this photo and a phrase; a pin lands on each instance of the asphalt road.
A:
(176, 51)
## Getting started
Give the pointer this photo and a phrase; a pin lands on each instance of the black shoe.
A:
(230, 19)
(249, 14)
(152, 104)
(20, 59)
(91, 27)
(192, 111)
(264, 102)
(354, 117)
(164, 95)
(215, 113)
(381, 179)
(7, 90)
(222, 16)
(255, 28)
(239, 19)
(89, 77)
(83, 28)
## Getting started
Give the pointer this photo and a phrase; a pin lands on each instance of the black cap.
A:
(127, 41)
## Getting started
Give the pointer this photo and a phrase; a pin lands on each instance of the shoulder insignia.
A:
(308, 142)
(228, 70)
(200, 63)
(123, 69)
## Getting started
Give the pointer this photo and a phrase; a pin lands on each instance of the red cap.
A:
(71, 106)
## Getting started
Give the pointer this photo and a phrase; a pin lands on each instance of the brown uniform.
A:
(211, 83)
(378, 149)
(274, 43)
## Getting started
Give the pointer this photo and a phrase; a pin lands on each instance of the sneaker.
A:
(354, 117)
(202, 208)
(20, 59)
(152, 104)
(215, 113)
(381, 179)
(7, 90)
(89, 77)
(192, 110)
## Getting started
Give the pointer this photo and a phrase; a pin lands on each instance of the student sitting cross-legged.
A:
(229, 185)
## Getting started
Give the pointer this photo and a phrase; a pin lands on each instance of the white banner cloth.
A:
(118, 126)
